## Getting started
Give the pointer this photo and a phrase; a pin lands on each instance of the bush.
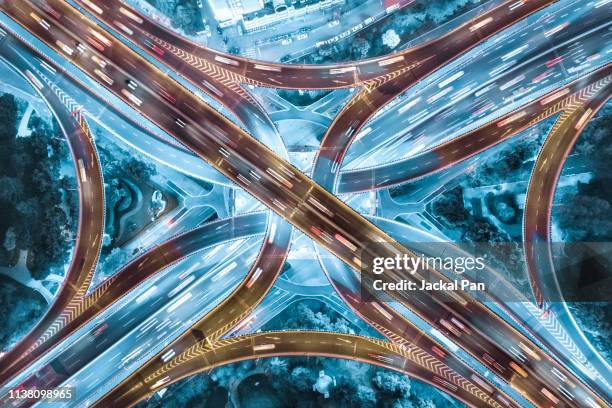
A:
(21, 309)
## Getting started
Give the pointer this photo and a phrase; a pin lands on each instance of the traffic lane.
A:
(269, 186)
(276, 269)
(236, 307)
(339, 247)
(152, 262)
(391, 324)
(290, 343)
(157, 309)
(262, 71)
(375, 310)
(433, 99)
(221, 86)
(482, 327)
(483, 340)
(231, 94)
(87, 169)
(488, 102)
(91, 215)
(164, 326)
(488, 335)
(465, 146)
(173, 119)
(548, 167)
(157, 146)
(273, 266)
(376, 67)
(252, 290)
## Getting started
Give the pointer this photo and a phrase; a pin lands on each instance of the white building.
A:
(228, 12)
(222, 10)
(324, 384)
(225, 10)
(250, 6)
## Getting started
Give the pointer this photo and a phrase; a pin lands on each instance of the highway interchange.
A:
(258, 162)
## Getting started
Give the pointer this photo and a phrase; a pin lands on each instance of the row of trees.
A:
(32, 192)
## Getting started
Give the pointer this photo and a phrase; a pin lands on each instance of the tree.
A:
(585, 217)
(30, 191)
(391, 384)
(408, 23)
(11, 189)
(481, 230)
(10, 239)
(450, 206)
(278, 367)
(365, 397)
(595, 318)
(29, 221)
(391, 39)
(360, 48)
(508, 164)
(114, 260)
(440, 10)
(225, 376)
(302, 378)
(8, 119)
(345, 391)
(185, 17)
(138, 169)
(50, 248)
(342, 326)
(503, 206)
(401, 26)
(188, 393)
(22, 307)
